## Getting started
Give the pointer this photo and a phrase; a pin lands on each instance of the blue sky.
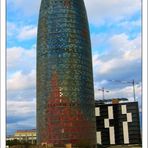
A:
(115, 28)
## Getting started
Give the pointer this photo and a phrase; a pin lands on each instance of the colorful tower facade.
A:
(65, 93)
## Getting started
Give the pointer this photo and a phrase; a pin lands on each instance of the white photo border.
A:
(3, 74)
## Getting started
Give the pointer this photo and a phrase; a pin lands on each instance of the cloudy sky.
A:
(115, 27)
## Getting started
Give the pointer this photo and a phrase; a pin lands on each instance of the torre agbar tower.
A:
(65, 93)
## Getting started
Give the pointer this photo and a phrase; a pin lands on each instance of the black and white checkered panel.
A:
(118, 124)
(105, 126)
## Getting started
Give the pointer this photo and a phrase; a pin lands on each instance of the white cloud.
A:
(129, 25)
(22, 108)
(20, 81)
(27, 32)
(122, 52)
(21, 31)
(110, 10)
(21, 58)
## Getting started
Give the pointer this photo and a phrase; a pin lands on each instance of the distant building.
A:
(117, 123)
(24, 136)
(10, 137)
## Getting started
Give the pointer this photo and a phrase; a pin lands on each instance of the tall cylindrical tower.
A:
(65, 93)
